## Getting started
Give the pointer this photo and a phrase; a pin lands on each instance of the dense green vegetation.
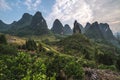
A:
(80, 46)
(3, 39)
(6, 48)
(64, 59)
(26, 67)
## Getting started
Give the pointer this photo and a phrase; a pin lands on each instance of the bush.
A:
(30, 45)
(87, 63)
(22, 67)
(66, 66)
(74, 69)
(118, 63)
(105, 58)
(7, 49)
(112, 67)
(3, 39)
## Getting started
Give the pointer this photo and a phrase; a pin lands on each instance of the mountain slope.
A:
(3, 26)
(57, 27)
(29, 25)
(76, 45)
(87, 26)
(16, 25)
(67, 30)
(99, 31)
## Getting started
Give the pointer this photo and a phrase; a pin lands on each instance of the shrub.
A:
(112, 67)
(31, 45)
(118, 63)
(7, 49)
(75, 70)
(3, 39)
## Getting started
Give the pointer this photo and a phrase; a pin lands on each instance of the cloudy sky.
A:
(103, 11)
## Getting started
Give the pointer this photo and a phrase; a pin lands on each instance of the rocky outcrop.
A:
(76, 28)
(29, 25)
(67, 30)
(97, 74)
(99, 31)
(81, 27)
(87, 26)
(107, 33)
(16, 25)
(57, 27)
(38, 24)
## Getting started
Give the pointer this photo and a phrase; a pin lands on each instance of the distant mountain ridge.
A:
(3, 26)
(57, 27)
(67, 30)
(16, 25)
(28, 25)
(99, 31)
(36, 25)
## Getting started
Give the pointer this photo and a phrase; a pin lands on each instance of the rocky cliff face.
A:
(57, 27)
(107, 33)
(76, 28)
(81, 27)
(97, 74)
(16, 25)
(87, 26)
(99, 31)
(29, 25)
(67, 30)
(38, 24)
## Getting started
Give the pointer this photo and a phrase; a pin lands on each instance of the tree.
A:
(105, 58)
(3, 39)
(31, 45)
(74, 70)
(7, 49)
(118, 63)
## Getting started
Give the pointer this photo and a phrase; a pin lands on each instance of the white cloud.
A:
(32, 4)
(69, 10)
(106, 11)
(4, 5)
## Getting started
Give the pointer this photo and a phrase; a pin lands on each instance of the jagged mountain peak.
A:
(67, 30)
(25, 17)
(95, 24)
(2, 22)
(57, 27)
(76, 28)
(99, 31)
(67, 26)
(38, 14)
(58, 21)
(87, 25)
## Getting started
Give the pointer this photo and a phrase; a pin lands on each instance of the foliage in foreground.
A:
(23, 66)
